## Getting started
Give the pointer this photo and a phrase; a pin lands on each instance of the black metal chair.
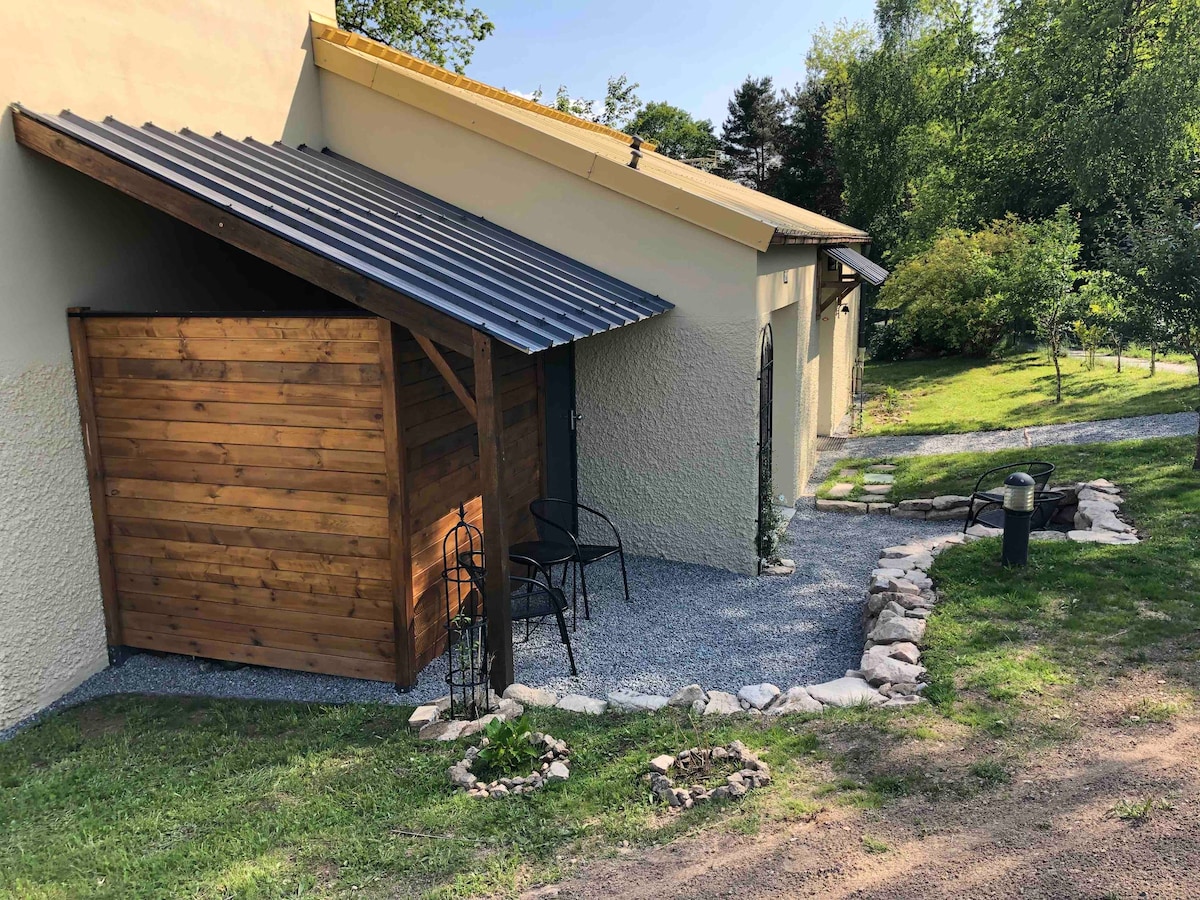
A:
(532, 598)
(1044, 505)
(1038, 470)
(553, 533)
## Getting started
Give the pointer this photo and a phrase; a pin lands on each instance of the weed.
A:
(1139, 811)
(874, 845)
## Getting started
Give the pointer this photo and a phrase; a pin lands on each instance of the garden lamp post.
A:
(1018, 513)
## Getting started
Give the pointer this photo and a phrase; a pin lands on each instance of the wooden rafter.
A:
(448, 373)
(841, 295)
(223, 225)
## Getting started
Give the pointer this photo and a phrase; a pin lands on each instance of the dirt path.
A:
(1049, 833)
(1139, 363)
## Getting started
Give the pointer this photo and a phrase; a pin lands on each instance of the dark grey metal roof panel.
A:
(494, 280)
(870, 272)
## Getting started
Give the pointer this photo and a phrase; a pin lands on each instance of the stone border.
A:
(555, 766)
(753, 773)
(900, 597)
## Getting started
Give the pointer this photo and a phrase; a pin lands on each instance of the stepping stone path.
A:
(878, 478)
(841, 491)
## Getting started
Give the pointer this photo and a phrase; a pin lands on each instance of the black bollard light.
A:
(1018, 512)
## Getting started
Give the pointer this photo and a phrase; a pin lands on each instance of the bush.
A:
(890, 341)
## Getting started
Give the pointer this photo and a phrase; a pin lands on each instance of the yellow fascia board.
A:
(461, 110)
(326, 29)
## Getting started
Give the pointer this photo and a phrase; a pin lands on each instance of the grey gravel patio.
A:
(685, 623)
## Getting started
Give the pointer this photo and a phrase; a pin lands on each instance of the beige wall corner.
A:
(237, 66)
(838, 349)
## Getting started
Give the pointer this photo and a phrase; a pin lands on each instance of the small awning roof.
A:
(487, 277)
(870, 272)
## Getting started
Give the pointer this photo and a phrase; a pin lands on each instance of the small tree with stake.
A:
(1163, 261)
(1051, 274)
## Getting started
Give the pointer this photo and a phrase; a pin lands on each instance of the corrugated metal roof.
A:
(870, 272)
(518, 291)
(674, 187)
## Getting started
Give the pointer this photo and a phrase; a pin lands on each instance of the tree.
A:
(1163, 262)
(443, 32)
(750, 133)
(618, 104)
(1105, 299)
(1048, 268)
(674, 131)
(808, 174)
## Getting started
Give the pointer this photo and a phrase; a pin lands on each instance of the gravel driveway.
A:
(685, 623)
(1156, 426)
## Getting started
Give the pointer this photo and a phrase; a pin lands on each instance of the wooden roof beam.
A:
(448, 373)
(223, 225)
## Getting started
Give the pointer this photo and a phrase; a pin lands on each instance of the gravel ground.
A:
(685, 623)
(1104, 431)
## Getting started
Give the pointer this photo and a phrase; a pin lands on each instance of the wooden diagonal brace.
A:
(839, 296)
(447, 371)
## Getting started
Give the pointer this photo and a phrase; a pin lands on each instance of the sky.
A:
(691, 54)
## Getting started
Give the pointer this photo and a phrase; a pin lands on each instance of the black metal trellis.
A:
(466, 624)
(766, 386)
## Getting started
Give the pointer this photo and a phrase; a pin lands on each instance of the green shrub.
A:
(890, 341)
(508, 749)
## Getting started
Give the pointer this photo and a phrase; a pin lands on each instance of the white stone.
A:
(778, 571)
(758, 696)
(848, 691)
(530, 696)
(698, 705)
(793, 700)
(979, 530)
(662, 764)
(721, 703)
(1101, 537)
(840, 491)
(877, 489)
(632, 700)
(878, 670)
(878, 478)
(916, 561)
(902, 700)
(903, 650)
(842, 506)
(947, 515)
(916, 505)
(688, 695)
(581, 704)
(422, 716)
(887, 573)
(558, 771)
(902, 550)
(1091, 495)
(1103, 485)
(950, 501)
(902, 586)
(443, 731)
(879, 509)
(1047, 536)
(899, 629)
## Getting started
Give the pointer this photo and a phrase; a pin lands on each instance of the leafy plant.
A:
(508, 747)
(770, 523)
(1140, 810)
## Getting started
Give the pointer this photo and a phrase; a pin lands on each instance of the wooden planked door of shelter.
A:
(239, 475)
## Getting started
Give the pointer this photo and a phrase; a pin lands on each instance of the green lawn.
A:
(1006, 636)
(161, 797)
(943, 396)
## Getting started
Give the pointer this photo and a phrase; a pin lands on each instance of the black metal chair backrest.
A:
(1045, 504)
(549, 513)
(1040, 471)
(531, 596)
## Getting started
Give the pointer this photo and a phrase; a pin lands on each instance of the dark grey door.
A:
(558, 367)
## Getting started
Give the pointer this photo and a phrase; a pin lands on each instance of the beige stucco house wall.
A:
(67, 241)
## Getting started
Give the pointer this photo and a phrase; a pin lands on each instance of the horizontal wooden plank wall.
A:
(245, 486)
(442, 453)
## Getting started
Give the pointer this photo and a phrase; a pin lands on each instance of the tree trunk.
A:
(1153, 356)
(1119, 349)
(1196, 459)
(1057, 374)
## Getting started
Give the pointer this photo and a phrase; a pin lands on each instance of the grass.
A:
(1139, 811)
(154, 797)
(945, 396)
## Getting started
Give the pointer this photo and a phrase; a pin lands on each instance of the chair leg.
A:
(587, 612)
(624, 574)
(566, 639)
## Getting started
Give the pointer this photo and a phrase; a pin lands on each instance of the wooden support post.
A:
(495, 540)
(448, 373)
(95, 476)
(399, 544)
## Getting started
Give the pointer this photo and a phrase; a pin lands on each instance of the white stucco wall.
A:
(234, 65)
(667, 442)
(839, 345)
(785, 290)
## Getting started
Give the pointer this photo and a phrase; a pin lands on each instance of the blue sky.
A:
(691, 54)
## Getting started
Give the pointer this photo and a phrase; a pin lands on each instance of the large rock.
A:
(793, 700)
(1091, 495)
(887, 573)
(530, 696)
(918, 504)
(946, 515)
(558, 771)
(581, 704)
(878, 669)
(688, 695)
(721, 703)
(848, 691)
(950, 501)
(840, 491)
(422, 716)
(662, 764)
(879, 509)
(444, 731)
(632, 700)
(902, 550)
(898, 513)
(979, 530)
(1047, 536)
(898, 629)
(915, 561)
(902, 586)
(903, 651)
(842, 506)
(758, 696)
(1101, 537)
(1103, 485)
